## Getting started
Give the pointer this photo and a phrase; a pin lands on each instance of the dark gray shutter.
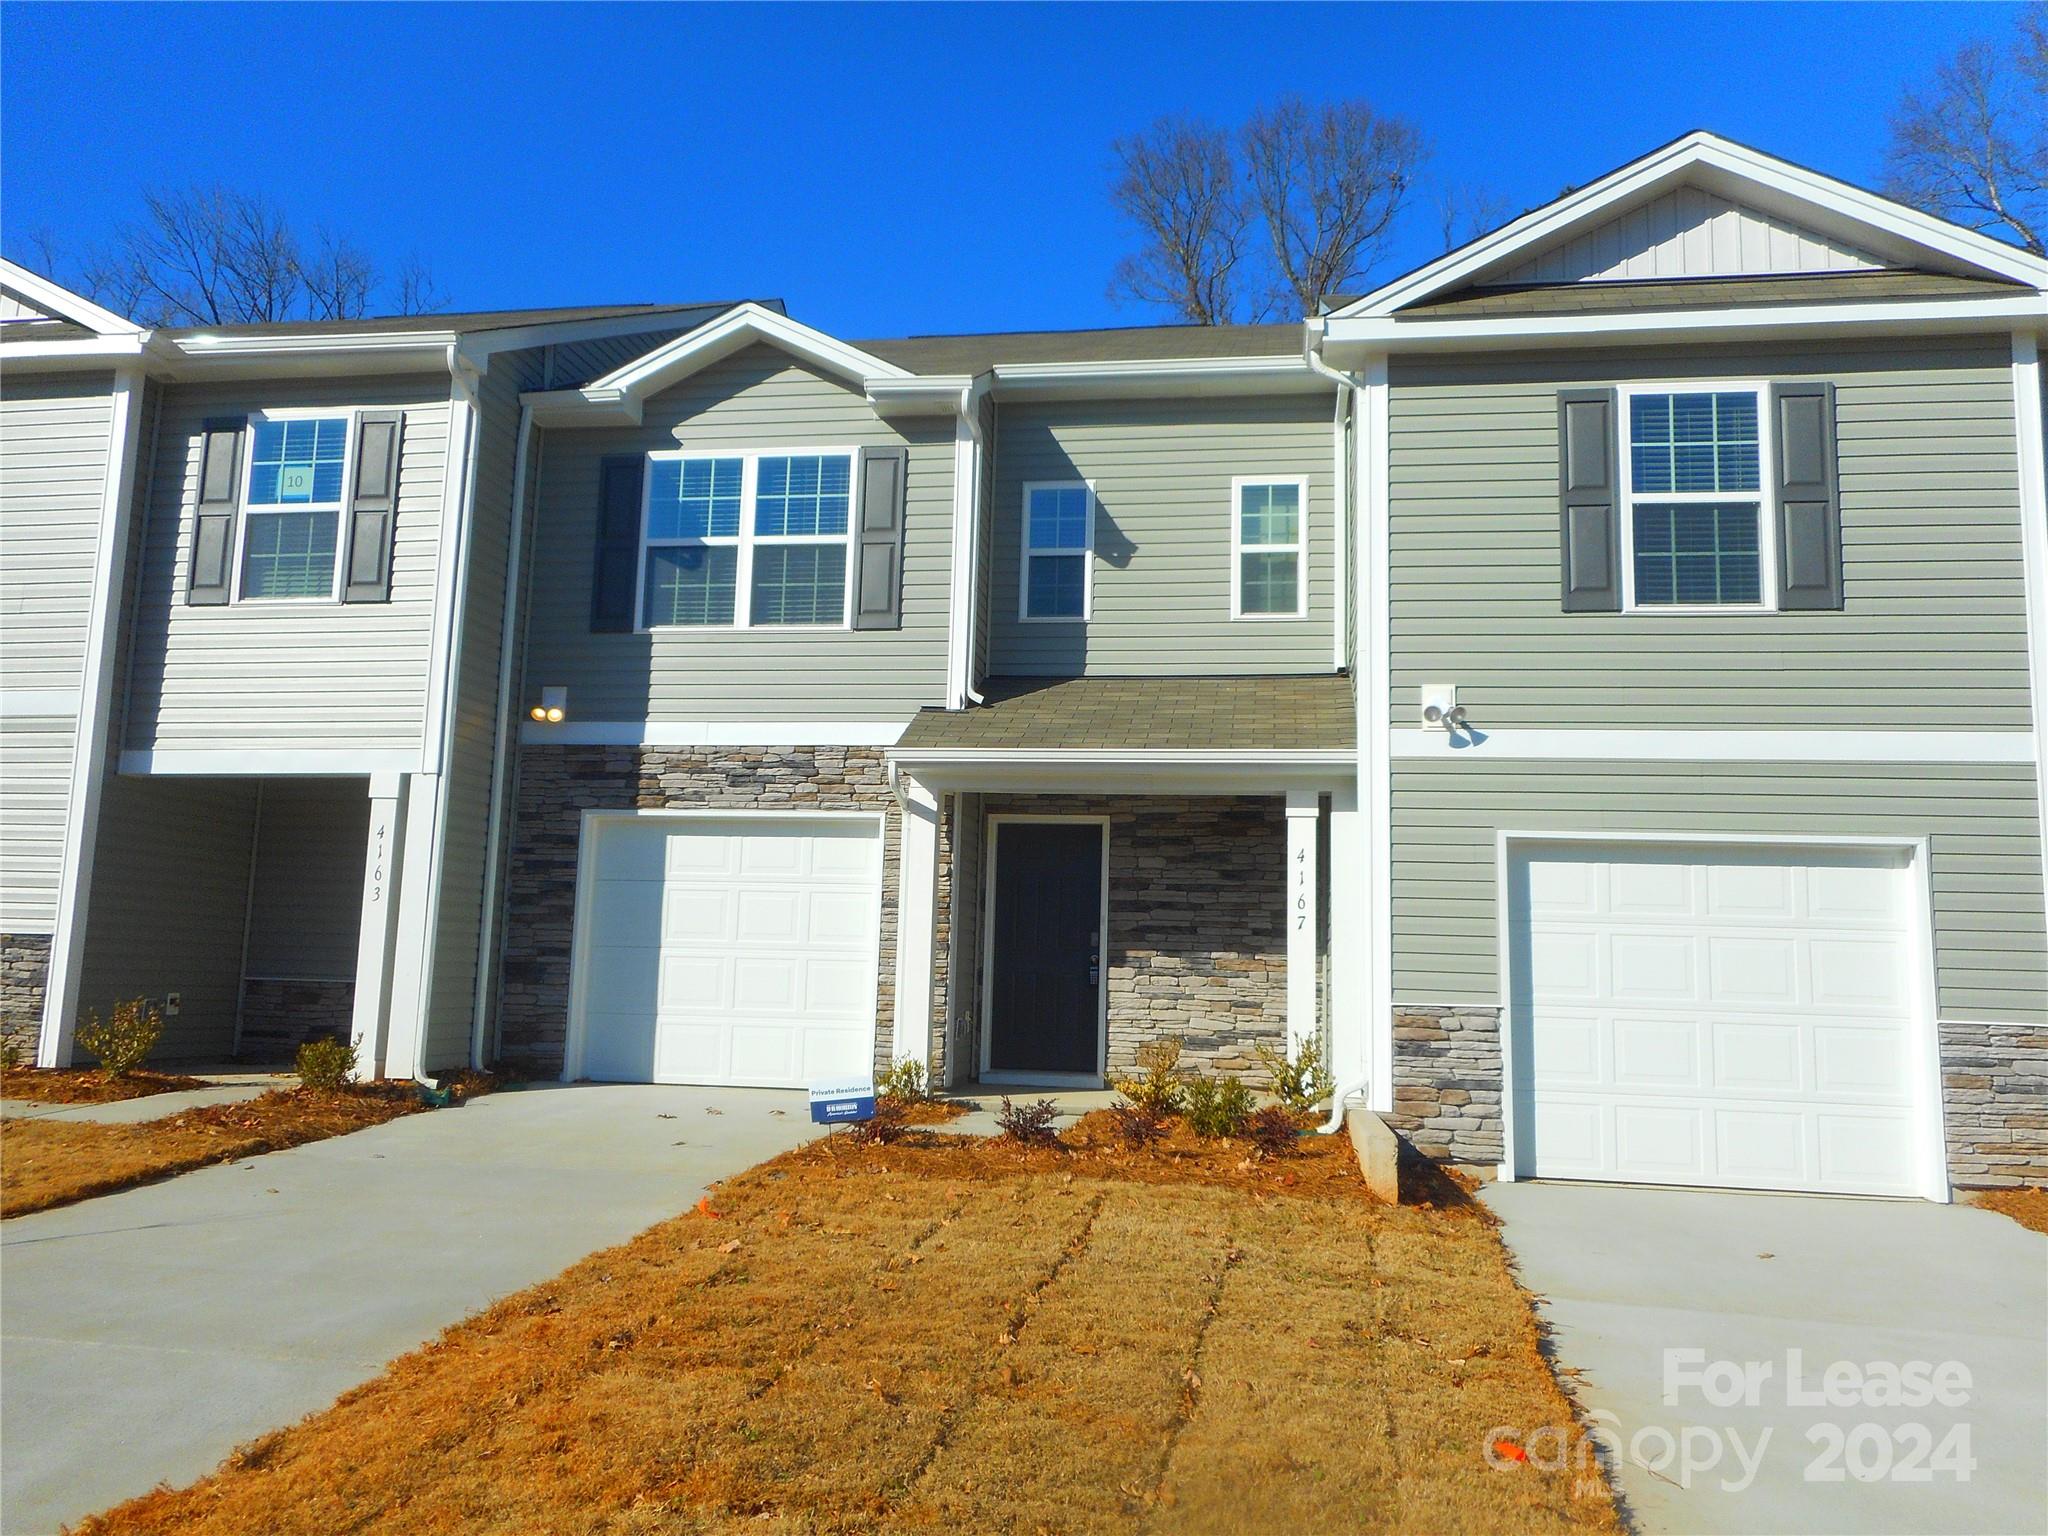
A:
(1589, 500)
(1809, 509)
(617, 566)
(878, 540)
(373, 509)
(210, 578)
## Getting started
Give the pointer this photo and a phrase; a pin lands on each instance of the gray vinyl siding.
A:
(1162, 564)
(53, 468)
(985, 544)
(313, 675)
(1933, 634)
(466, 833)
(170, 887)
(306, 895)
(758, 398)
(1991, 935)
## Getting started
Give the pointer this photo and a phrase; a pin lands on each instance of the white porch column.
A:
(376, 942)
(1350, 1047)
(1304, 814)
(412, 950)
(917, 891)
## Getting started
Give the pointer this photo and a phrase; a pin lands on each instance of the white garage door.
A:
(738, 951)
(1717, 1017)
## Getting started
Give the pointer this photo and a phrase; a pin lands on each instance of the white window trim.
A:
(1026, 550)
(746, 540)
(1239, 549)
(1766, 495)
(245, 511)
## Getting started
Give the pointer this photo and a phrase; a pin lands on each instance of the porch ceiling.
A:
(1144, 714)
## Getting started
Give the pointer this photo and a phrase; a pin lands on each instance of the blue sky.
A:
(884, 170)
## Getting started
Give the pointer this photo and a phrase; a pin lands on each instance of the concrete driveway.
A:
(143, 1335)
(1767, 1293)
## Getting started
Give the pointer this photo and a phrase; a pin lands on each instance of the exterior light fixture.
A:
(552, 708)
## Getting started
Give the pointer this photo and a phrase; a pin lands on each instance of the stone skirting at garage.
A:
(1197, 921)
(24, 971)
(279, 1016)
(1447, 1082)
(1994, 1092)
(557, 784)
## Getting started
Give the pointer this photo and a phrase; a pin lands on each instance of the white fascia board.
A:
(931, 394)
(264, 762)
(1871, 216)
(712, 733)
(1376, 333)
(1594, 744)
(98, 352)
(742, 326)
(1213, 375)
(60, 302)
(588, 407)
(1127, 771)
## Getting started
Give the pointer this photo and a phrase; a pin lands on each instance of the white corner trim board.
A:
(96, 713)
(1695, 746)
(713, 733)
(2031, 422)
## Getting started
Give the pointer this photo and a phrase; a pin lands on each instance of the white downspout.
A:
(1345, 385)
(501, 767)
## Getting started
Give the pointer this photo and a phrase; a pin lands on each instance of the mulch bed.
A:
(46, 1163)
(88, 1085)
(2028, 1207)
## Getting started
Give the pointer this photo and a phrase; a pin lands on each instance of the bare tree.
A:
(1973, 146)
(1178, 184)
(418, 293)
(1465, 212)
(214, 256)
(1328, 181)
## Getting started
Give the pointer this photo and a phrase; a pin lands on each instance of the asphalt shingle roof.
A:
(468, 321)
(1242, 714)
(1144, 343)
(1704, 292)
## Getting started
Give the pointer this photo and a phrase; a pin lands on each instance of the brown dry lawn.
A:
(2028, 1207)
(44, 1163)
(87, 1085)
(946, 1337)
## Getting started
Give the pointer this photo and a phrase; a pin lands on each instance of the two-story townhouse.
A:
(1590, 683)
(255, 584)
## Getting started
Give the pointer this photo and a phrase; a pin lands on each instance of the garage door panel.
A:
(729, 950)
(1718, 1016)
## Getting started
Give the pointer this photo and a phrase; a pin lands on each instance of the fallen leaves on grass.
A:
(2028, 1207)
(45, 1163)
(87, 1085)
(937, 1335)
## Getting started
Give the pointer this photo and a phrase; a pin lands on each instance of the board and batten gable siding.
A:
(53, 468)
(1162, 566)
(1980, 820)
(285, 675)
(578, 362)
(759, 398)
(1933, 632)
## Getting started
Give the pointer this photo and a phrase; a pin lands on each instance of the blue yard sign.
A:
(843, 1100)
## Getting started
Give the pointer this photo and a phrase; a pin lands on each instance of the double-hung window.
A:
(1693, 526)
(1059, 540)
(291, 514)
(1268, 548)
(746, 540)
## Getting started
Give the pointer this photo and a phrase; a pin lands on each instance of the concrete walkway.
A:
(1630, 1277)
(145, 1334)
(153, 1106)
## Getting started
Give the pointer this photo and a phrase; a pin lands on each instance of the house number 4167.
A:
(1301, 888)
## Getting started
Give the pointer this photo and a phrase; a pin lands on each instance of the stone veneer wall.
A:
(24, 971)
(1197, 922)
(558, 783)
(279, 1016)
(1447, 1082)
(1994, 1091)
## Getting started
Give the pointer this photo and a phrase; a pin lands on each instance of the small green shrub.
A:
(326, 1065)
(1029, 1125)
(10, 1055)
(904, 1083)
(1217, 1106)
(123, 1042)
(1273, 1131)
(1300, 1084)
(1157, 1088)
(1139, 1125)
